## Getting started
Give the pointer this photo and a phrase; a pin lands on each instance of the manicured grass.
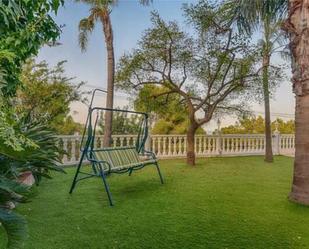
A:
(236, 203)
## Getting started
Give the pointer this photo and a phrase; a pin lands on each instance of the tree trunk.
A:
(108, 33)
(190, 144)
(268, 149)
(297, 25)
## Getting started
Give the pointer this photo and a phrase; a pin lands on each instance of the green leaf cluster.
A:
(24, 146)
(256, 125)
(24, 27)
(168, 113)
(123, 123)
(43, 85)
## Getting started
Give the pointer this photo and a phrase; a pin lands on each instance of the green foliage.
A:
(267, 17)
(24, 27)
(202, 70)
(11, 192)
(250, 14)
(123, 123)
(46, 94)
(9, 137)
(287, 127)
(98, 10)
(39, 158)
(32, 148)
(168, 113)
(68, 127)
(256, 125)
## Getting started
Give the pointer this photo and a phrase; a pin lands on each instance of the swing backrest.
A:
(117, 157)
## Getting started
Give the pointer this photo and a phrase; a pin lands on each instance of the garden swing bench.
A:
(108, 160)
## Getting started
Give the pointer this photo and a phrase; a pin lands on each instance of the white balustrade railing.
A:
(173, 146)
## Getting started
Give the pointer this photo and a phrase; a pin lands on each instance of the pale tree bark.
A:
(109, 40)
(297, 25)
(268, 147)
(265, 82)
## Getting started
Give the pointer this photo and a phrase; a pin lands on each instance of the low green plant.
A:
(23, 147)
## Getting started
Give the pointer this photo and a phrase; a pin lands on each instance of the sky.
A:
(129, 20)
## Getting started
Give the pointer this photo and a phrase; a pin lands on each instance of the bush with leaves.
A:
(123, 123)
(23, 147)
(43, 85)
(24, 27)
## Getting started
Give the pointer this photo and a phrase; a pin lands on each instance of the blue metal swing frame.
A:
(103, 168)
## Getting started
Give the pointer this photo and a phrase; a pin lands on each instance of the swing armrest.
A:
(100, 162)
(149, 153)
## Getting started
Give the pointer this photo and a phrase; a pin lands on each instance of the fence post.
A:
(277, 142)
(148, 143)
(219, 138)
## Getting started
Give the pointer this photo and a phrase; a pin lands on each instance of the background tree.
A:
(100, 11)
(297, 25)
(41, 86)
(24, 27)
(68, 126)
(265, 16)
(256, 125)
(205, 73)
(167, 113)
(123, 123)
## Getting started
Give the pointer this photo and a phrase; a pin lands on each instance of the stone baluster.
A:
(65, 149)
(185, 146)
(169, 153)
(175, 146)
(153, 144)
(159, 146)
(164, 146)
(73, 151)
(236, 145)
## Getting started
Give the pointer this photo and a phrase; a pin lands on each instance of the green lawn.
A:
(236, 203)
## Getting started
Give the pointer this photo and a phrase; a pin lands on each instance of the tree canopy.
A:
(256, 125)
(24, 27)
(43, 85)
(167, 113)
(207, 71)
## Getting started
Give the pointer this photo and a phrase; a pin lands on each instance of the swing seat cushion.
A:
(121, 158)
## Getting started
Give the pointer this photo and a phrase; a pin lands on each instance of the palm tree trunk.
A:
(109, 40)
(190, 143)
(297, 25)
(268, 149)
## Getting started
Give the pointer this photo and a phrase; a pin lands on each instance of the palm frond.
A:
(85, 27)
(15, 226)
(248, 14)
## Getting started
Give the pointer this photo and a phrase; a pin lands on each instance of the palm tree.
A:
(100, 11)
(297, 25)
(267, 15)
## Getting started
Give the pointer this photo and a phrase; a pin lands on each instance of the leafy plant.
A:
(32, 148)
(24, 27)
(11, 192)
(42, 85)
